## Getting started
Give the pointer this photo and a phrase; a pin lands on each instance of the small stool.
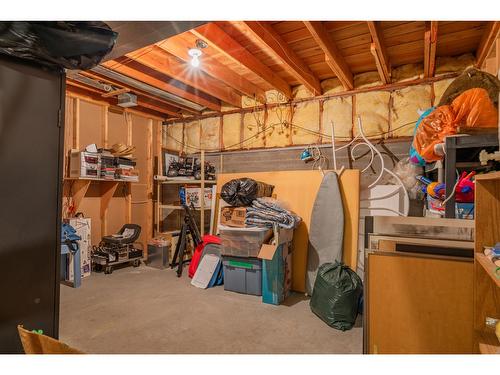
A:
(77, 268)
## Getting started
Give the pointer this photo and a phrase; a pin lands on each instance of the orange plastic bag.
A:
(472, 108)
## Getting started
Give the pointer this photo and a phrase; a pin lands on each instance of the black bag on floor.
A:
(242, 191)
(336, 295)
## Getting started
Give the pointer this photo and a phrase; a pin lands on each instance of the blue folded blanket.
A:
(267, 211)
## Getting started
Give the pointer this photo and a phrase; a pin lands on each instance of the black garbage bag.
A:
(71, 45)
(242, 191)
(336, 295)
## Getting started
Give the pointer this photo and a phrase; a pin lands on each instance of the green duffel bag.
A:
(336, 295)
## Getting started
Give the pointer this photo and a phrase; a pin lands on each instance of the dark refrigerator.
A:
(31, 142)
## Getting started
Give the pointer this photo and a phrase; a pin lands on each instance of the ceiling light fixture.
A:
(195, 53)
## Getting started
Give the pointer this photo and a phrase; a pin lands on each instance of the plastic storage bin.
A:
(243, 275)
(243, 242)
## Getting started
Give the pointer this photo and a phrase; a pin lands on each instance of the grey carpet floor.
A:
(145, 310)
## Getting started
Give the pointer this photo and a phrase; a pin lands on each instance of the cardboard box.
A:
(233, 216)
(193, 194)
(83, 229)
(277, 267)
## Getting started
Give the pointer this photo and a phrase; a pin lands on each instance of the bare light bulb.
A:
(195, 61)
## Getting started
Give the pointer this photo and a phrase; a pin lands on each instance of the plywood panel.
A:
(141, 201)
(419, 305)
(90, 124)
(405, 104)
(117, 128)
(299, 189)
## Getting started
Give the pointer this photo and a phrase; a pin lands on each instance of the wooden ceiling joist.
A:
(157, 59)
(179, 46)
(134, 73)
(379, 52)
(268, 37)
(333, 57)
(430, 44)
(116, 83)
(489, 37)
(220, 40)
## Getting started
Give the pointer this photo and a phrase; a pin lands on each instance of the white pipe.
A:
(333, 147)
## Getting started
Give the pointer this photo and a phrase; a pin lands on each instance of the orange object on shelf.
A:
(473, 108)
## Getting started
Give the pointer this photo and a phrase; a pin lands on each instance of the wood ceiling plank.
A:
(214, 35)
(430, 44)
(379, 52)
(114, 82)
(333, 57)
(157, 59)
(136, 73)
(489, 37)
(270, 39)
(179, 46)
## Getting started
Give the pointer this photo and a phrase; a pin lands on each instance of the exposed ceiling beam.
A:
(269, 38)
(179, 46)
(159, 60)
(115, 92)
(333, 57)
(134, 73)
(379, 52)
(220, 40)
(430, 44)
(114, 82)
(489, 37)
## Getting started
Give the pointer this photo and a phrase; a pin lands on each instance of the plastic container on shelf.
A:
(243, 242)
(242, 275)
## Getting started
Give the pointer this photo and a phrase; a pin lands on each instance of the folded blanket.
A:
(267, 211)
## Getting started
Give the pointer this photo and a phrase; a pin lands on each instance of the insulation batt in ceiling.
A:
(338, 110)
(440, 87)
(405, 104)
(408, 72)
(172, 136)
(305, 115)
(231, 131)
(300, 92)
(454, 64)
(274, 96)
(369, 79)
(210, 133)
(331, 86)
(251, 128)
(373, 107)
(278, 134)
(192, 137)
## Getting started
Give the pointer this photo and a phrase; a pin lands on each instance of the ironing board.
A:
(326, 232)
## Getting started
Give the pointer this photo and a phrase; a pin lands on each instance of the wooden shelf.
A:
(181, 182)
(488, 342)
(96, 179)
(488, 176)
(488, 266)
(175, 207)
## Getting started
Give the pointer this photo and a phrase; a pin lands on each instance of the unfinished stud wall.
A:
(88, 121)
(385, 113)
